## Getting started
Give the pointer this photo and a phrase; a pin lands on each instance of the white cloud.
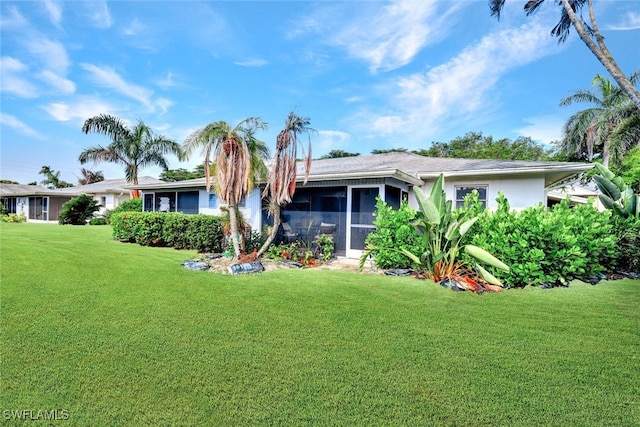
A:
(12, 80)
(82, 109)
(457, 90)
(167, 81)
(134, 28)
(98, 13)
(55, 11)
(386, 37)
(327, 140)
(544, 129)
(12, 122)
(252, 62)
(630, 21)
(12, 19)
(61, 84)
(107, 77)
(52, 53)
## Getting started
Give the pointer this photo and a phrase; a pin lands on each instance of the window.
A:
(103, 201)
(188, 202)
(148, 202)
(213, 200)
(10, 203)
(461, 193)
(165, 202)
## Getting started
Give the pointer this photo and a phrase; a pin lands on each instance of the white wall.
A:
(112, 200)
(521, 192)
(251, 212)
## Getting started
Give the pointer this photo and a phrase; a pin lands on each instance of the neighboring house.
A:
(37, 203)
(43, 204)
(576, 193)
(342, 192)
(108, 193)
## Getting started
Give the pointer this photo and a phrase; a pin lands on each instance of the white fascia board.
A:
(390, 173)
(578, 168)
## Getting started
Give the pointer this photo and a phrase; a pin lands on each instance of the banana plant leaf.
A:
(485, 257)
(607, 187)
(490, 278)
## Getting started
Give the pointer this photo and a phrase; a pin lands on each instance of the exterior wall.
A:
(111, 201)
(251, 212)
(521, 192)
(55, 204)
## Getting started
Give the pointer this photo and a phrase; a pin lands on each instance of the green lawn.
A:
(118, 334)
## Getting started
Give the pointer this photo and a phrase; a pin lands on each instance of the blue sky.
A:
(369, 74)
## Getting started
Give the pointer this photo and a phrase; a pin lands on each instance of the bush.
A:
(13, 217)
(200, 232)
(131, 205)
(78, 210)
(627, 231)
(547, 245)
(393, 230)
(98, 221)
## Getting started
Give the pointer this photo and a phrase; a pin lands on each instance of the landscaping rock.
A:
(246, 268)
(290, 264)
(196, 264)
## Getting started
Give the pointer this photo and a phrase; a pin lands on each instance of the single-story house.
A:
(109, 192)
(341, 193)
(578, 194)
(39, 203)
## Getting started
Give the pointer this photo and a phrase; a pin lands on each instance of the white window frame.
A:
(460, 202)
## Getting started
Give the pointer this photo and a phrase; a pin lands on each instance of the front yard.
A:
(120, 334)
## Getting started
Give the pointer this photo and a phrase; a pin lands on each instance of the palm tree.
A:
(90, 177)
(238, 162)
(588, 32)
(610, 127)
(134, 148)
(281, 184)
(52, 178)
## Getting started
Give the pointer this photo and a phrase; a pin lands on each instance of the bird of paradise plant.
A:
(442, 231)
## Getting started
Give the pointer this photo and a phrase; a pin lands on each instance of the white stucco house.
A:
(43, 204)
(341, 192)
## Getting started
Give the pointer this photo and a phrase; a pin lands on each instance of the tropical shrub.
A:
(98, 221)
(131, 205)
(627, 232)
(616, 194)
(394, 229)
(78, 210)
(203, 233)
(12, 217)
(544, 245)
(441, 231)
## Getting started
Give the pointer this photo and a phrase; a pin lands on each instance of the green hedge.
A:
(627, 231)
(543, 245)
(200, 232)
(394, 230)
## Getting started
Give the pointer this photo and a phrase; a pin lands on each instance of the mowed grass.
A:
(118, 334)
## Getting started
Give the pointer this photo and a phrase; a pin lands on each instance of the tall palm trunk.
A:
(601, 51)
(276, 211)
(233, 227)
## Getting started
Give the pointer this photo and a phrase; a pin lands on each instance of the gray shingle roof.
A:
(413, 168)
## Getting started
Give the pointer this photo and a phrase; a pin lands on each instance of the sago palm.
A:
(134, 148)
(237, 158)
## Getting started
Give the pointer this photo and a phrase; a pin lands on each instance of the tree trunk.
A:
(602, 52)
(274, 230)
(233, 225)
